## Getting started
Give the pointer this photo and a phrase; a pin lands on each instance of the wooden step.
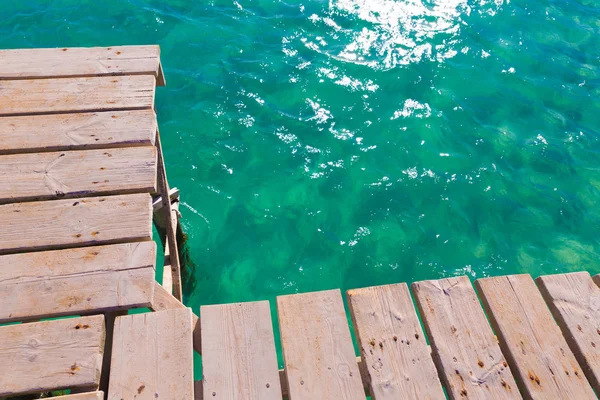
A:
(75, 222)
(466, 351)
(44, 96)
(79, 131)
(392, 344)
(51, 355)
(69, 174)
(574, 300)
(76, 281)
(538, 354)
(81, 61)
(152, 356)
(319, 356)
(238, 352)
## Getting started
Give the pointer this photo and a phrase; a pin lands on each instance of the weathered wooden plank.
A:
(164, 300)
(152, 356)
(45, 176)
(238, 354)
(319, 356)
(74, 223)
(574, 300)
(80, 61)
(82, 396)
(50, 355)
(464, 348)
(80, 131)
(538, 354)
(392, 344)
(40, 96)
(76, 281)
(171, 228)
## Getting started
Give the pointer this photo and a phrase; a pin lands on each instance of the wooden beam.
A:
(76, 281)
(81, 62)
(574, 300)
(69, 174)
(81, 396)
(392, 343)
(238, 355)
(153, 356)
(79, 131)
(163, 187)
(167, 282)
(319, 356)
(543, 364)
(51, 355)
(64, 95)
(75, 223)
(465, 350)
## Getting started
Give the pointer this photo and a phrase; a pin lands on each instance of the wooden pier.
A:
(80, 160)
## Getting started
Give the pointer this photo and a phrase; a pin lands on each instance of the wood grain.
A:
(466, 351)
(164, 300)
(544, 366)
(41, 96)
(152, 356)
(79, 131)
(238, 354)
(392, 344)
(574, 300)
(50, 355)
(76, 281)
(69, 174)
(75, 222)
(319, 356)
(75, 62)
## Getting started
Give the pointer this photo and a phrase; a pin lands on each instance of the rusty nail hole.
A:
(593, 344)
(372, 342)
(453, 329)
(576, 373)
(95, 233)
(505, 364)
(381, 345)
(395, 338)
(480, 363)
(302, 382)
(141, 389)
(579, 328)
(417, 336)
(74, 204)
(65, 49)
(78, 235)
(463, 392)
(214, 394)
(268, 386)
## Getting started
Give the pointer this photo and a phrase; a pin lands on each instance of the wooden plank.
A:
(82, 396)
(538, 354)
(78, 62)
(76, 281)
(152, 356)
(45, 176)
(393, 345)
(171, 228)
(74, 223)
(238, 354)
(319, 356)
(574, 300)
(41, 96)
(164, 300)
(464, 348)
(50, 355)
(80, 131)
(169, 270)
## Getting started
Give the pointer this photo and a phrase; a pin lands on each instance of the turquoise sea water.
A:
(348, 143)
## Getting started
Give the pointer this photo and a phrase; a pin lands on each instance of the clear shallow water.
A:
(352, 143)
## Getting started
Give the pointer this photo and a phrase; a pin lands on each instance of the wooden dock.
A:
(80, 158)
